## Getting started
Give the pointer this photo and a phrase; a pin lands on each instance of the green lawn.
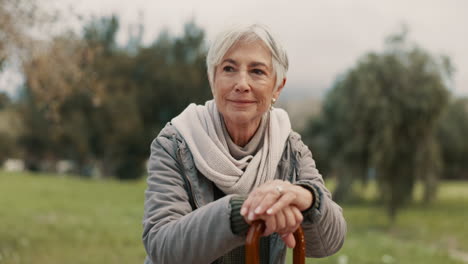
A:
(47, 219)
(50, 219)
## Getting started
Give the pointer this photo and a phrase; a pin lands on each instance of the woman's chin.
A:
(241, 119)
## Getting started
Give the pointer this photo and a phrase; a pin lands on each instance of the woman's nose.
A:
(242, 83)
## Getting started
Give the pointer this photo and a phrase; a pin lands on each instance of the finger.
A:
(247, 202)
(268, 200)
(289, 240)
(280, 221)
(246, 206)
(284, 201)
(257, 196)
(247, 220)
(255, 200)
(270, 223)
(299, 218)
(266, 190)
(297, 214)
(290, 220)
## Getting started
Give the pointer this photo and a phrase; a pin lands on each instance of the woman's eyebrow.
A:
(252, 64)
(258, 63)
(230, 61)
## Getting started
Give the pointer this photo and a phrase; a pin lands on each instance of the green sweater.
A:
(240, 227)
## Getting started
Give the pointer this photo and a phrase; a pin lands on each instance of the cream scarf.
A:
(202, 127)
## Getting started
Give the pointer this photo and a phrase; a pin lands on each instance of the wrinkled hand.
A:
(279, 204)
(285, 223)
(273, 197)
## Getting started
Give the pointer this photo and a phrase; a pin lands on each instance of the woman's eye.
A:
(228, 69)
(258, 71)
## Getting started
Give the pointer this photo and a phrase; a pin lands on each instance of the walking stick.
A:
(253, 236)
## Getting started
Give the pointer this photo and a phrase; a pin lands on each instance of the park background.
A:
(378, 91)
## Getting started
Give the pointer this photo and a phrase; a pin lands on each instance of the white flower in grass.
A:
(343, 259)
(388, 259)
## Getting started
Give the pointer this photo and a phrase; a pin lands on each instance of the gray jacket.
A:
(183, 223)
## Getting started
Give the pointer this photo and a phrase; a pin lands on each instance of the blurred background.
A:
(378, 90)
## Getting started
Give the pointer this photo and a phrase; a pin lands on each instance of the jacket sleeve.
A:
(324, 225)
(172, 231)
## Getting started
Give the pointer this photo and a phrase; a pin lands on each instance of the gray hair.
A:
(227, 38)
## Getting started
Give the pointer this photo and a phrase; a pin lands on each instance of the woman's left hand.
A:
(274, 196)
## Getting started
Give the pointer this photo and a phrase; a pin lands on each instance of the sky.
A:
(323, 38)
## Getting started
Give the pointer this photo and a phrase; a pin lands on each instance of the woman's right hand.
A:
(284, 222)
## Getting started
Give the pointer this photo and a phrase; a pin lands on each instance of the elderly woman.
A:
(217, 167)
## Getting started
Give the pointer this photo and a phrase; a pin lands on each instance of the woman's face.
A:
(244, 83)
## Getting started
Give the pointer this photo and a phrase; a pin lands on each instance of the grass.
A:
(58, 219)
(47, 219)
(422, 234)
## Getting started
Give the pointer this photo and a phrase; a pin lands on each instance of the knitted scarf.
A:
(202, 127)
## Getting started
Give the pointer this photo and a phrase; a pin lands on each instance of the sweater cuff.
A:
(238, 224)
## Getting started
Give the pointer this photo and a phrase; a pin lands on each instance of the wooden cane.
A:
(252, 244)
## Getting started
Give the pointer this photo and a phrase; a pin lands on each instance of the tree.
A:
(381, 116)
(18, 18)
(79, 91)
(452, 132)
(105, 103)
(6, 144)
(4, 100)
(170, 74)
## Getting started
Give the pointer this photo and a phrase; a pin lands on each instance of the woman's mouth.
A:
(242, 101)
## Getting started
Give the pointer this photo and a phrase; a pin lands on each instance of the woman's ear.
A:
(278, 90)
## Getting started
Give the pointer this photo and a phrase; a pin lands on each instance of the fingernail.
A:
(251, 216)
(270, 211)
(243, 211)
(284, 235)
(257, 211)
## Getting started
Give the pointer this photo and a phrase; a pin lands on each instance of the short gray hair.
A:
(227, 38)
